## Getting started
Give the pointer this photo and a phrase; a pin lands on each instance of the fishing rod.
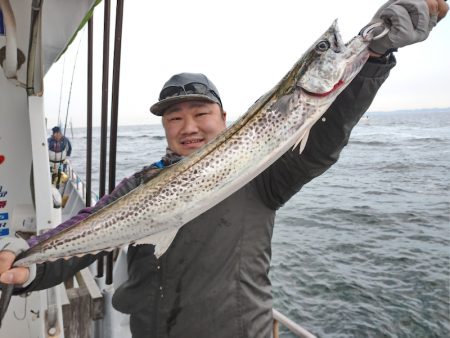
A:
(71, 84)
(60, 91)
(68, 106)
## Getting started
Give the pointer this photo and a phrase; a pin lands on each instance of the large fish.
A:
(278, 121)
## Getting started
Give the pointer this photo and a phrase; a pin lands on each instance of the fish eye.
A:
(323, 46)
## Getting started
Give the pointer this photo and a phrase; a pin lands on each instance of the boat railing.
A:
(80, 184)
(279, 318)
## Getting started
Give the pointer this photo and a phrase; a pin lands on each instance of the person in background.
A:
(213, 280)
(59, 148)
(59, 144)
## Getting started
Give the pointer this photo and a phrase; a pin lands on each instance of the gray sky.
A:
(244, 47)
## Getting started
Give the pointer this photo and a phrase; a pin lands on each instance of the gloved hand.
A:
(10, 247)
(410, 21)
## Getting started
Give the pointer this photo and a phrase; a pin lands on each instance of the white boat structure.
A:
(33, 35)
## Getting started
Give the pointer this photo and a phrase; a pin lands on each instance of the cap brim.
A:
(159, 107)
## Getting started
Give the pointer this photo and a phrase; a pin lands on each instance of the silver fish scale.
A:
(185, 190)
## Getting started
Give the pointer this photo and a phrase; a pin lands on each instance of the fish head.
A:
(331, 64)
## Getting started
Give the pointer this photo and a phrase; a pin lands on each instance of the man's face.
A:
(57, 136)
(190, 125)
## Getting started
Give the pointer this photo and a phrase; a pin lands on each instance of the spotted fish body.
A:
(153, 212)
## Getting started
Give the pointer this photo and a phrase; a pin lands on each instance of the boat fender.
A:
(57, 199)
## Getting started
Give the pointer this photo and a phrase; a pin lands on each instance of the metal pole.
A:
(115, 96)
(104, 118)
(32, 49)
(275, 329)
(89, 112)
(114, 118)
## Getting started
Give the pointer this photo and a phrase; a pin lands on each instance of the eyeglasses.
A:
(188, 89)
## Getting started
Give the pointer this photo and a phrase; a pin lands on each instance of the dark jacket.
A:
(213, 280)
(60, 146)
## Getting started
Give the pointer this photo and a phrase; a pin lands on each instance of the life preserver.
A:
(57, 157)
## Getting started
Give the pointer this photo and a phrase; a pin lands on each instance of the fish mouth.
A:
(324, 94)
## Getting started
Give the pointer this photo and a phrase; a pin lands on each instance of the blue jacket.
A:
(59, 146)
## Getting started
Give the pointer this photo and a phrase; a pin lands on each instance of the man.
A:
(213, 279)
(59, 144)
(59, 148)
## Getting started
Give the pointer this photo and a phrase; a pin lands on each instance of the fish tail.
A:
(7, 291)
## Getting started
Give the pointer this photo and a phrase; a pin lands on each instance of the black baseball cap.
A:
(186, 87)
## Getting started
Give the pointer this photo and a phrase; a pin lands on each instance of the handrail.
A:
(10, 64)
(296, 329)
(80, 184)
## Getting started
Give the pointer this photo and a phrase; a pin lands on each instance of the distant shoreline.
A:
(368, 113)
(413, 111)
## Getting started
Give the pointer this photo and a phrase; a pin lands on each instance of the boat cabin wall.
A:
(16, 202)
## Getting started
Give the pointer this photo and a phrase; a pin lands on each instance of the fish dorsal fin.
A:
(160, 240)
(302, 141)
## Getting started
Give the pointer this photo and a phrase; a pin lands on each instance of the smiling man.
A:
(191, 110)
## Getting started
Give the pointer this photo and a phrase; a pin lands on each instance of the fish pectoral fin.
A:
(160, 240)
(302, 141)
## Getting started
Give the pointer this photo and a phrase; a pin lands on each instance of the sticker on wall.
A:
(3, 204)
(4, 216)
(2, 159)
(3, 193)
(3, 231)
(2, 26)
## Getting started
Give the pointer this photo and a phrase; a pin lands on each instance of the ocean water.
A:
(364, 249)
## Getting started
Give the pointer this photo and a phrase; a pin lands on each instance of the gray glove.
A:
(409, 22)
(16, 246)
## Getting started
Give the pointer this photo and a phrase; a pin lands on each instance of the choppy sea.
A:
(364, 249)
